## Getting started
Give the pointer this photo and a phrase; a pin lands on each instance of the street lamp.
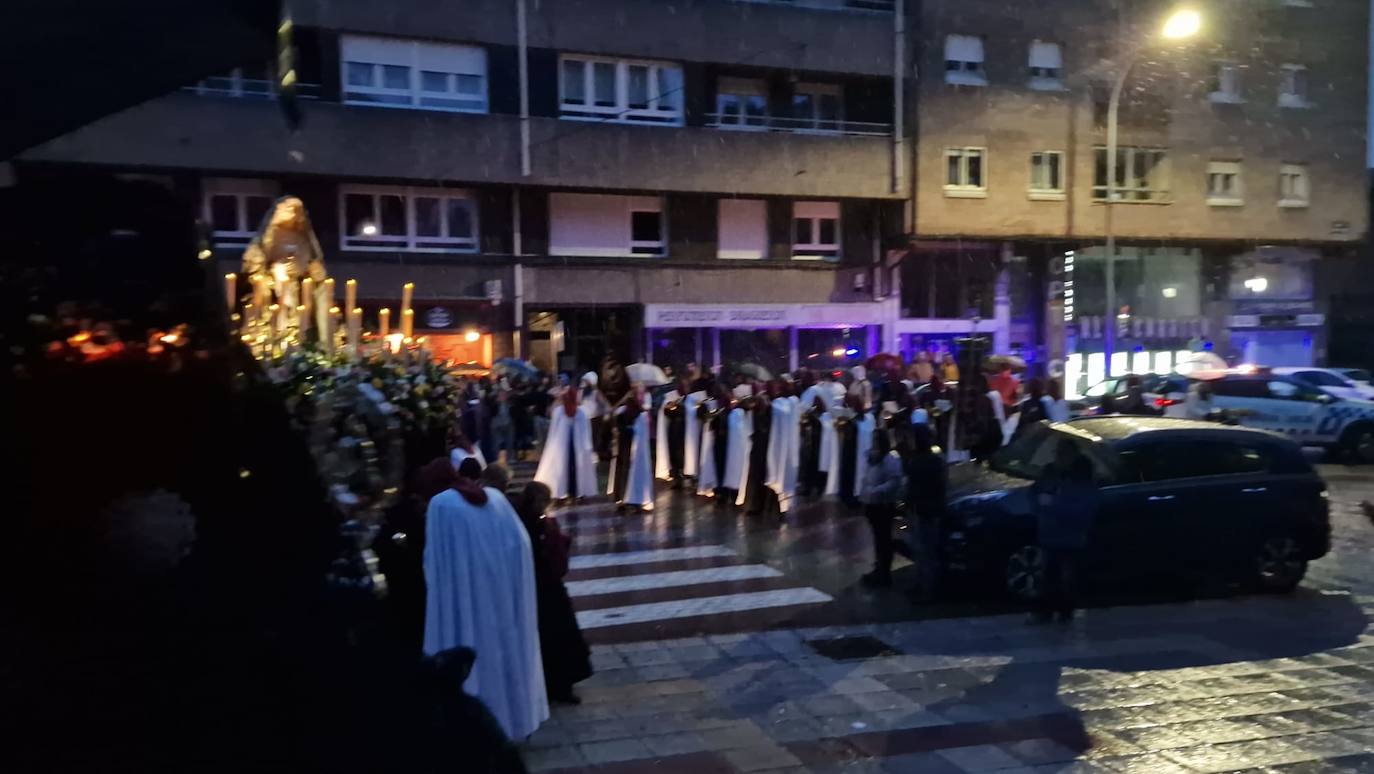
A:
(1180, 25)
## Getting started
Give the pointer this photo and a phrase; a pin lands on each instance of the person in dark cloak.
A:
(401, 546)
(759, 498)
(847, 436)
(810, 478)
(938, 401)
(676, 421)
(623, 436)
(567, 659)
(720, 427)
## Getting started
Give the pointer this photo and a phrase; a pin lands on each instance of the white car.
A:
(1309, 416)
(1359, 376)
(1330, 381)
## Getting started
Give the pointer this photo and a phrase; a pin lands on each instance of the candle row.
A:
(279, 315)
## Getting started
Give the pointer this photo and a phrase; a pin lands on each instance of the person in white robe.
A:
(664, 444)
(567, 464)
(709, 471)
(741, 428)
(479, 576)
(631, 483)
(844, 478)
(783, 442)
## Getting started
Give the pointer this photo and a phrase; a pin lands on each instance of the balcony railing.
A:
(736, 122)
(884, 6)
(249, 88)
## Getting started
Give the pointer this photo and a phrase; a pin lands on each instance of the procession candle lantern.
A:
(331, 326)
(230, 296)
(408, 323)
(384, 320)
(350, 295)
(355, 329)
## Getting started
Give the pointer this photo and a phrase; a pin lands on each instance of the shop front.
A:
(1274, 320)
(778, 337)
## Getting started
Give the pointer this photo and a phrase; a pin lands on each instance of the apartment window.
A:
(410, 74)
(964, 60)
(1047, 175)
(966, 173)
(817, 107)
(1224, 184)
(1294, 185)
(1141, 175)
(1293, 86)
(743, 229)
(414, 219)
(603, 225)
(235, 209)
(1046, 66)
(816, 231)
(1226, 82)
(742, 103)
(620, 90)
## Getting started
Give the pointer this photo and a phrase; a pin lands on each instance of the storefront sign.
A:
(438, 317)
(761, 315)
(1276, 320)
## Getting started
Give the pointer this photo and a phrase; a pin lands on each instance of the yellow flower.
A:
(377, 383)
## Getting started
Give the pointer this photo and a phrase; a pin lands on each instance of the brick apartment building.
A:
(720, 180)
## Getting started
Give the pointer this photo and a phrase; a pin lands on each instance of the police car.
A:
(1260, 399)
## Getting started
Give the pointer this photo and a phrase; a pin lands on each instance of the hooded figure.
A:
(567, 465)
(631, 482)
(755, 493)
(480, 593)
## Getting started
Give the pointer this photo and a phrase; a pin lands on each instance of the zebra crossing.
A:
(631, 571)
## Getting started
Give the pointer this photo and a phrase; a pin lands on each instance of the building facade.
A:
(1239, 168)
(794, 182)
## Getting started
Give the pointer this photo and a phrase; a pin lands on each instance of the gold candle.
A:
(350, 294)
(303, 320)
(407, 322)
(331, 326)
(308, 293)
(230, 291)
(407, 292)
(355, 329)
(384, 318)
(328, 300)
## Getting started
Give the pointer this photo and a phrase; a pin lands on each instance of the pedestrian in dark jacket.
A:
(567, 659)
(925, 499)
(882, 490)
(1066, 504)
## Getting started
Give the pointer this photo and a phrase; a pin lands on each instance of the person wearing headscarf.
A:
(596, 407)
(566, 657)
(567, 465)
(480, 593)
(631, 483)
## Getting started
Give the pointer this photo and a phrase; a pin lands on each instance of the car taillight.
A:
(1165, 402)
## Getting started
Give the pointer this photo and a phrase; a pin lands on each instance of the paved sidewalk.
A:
(1264, 684)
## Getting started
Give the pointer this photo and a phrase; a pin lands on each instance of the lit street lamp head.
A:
(1182, 24)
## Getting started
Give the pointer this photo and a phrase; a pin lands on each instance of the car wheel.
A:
(1025, 575)
(1279, 567)
(1358, 443)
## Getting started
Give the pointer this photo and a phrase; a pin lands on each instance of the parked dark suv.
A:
(1179, 497)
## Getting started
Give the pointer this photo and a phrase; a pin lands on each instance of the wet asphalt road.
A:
(690, 567)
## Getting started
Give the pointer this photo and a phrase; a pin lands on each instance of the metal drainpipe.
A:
(898, 88)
